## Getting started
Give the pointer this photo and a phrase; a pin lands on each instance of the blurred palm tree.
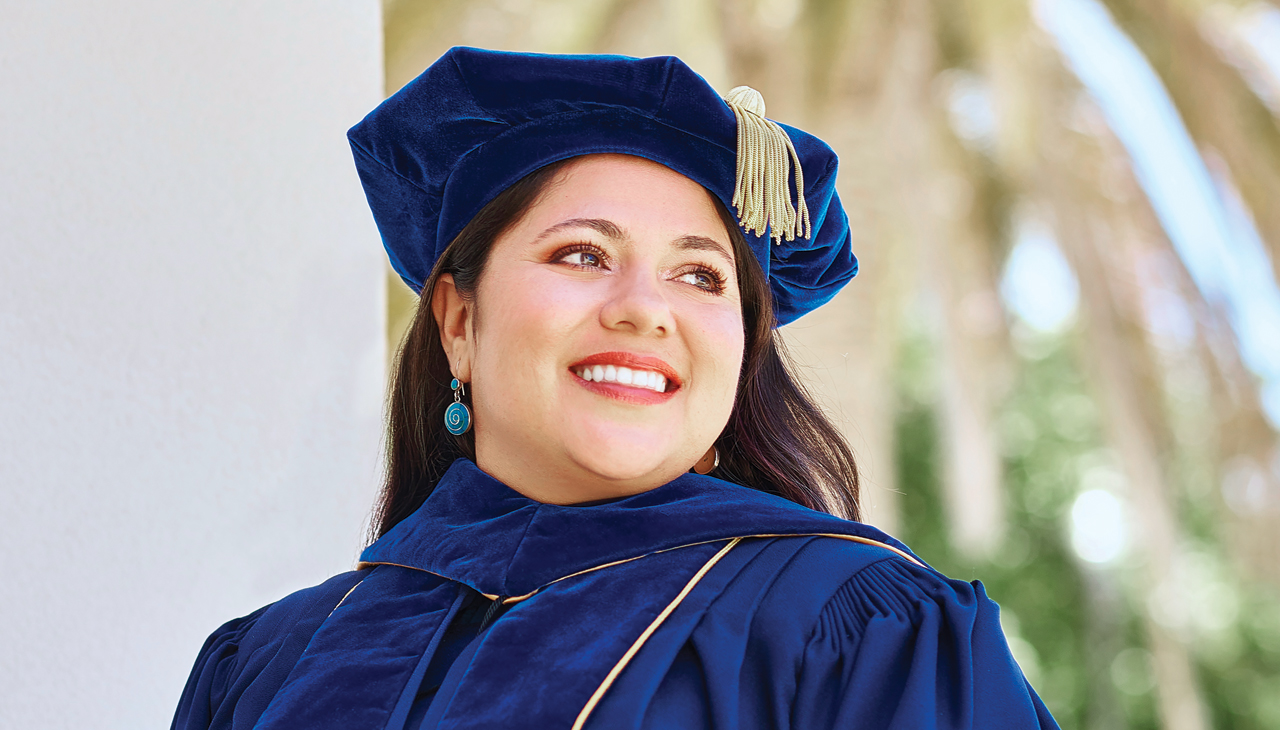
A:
(965, 136)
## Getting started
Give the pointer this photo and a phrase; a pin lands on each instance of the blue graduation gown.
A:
(699, 604)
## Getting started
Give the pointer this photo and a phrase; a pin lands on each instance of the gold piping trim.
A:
(362, 565)
(345, 595)
(854, 538)
(516, 599)
(653, 626)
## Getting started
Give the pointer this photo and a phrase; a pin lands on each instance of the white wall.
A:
(190, 334)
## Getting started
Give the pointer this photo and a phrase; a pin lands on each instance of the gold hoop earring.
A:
(709, 461)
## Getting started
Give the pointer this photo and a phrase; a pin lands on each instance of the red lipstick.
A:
(631, 360)
(628, 393)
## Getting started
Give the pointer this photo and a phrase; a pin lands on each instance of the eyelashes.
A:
(713, 280)
(587, 256)
(584, 251)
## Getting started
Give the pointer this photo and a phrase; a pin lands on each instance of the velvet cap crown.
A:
(477, 121)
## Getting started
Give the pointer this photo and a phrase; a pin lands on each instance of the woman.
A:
(637, 529)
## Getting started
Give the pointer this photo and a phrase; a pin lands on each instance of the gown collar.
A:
(475, 530)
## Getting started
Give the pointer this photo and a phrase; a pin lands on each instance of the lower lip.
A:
(625, 393)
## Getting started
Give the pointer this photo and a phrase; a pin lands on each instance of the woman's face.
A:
(621, 271)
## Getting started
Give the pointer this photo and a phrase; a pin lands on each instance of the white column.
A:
(191, 334)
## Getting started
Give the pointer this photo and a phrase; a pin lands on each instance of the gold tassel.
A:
(765, 156)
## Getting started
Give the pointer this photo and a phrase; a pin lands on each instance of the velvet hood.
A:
(697, 604)
(475, 122)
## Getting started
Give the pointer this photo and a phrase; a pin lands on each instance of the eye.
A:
(581, 255)
(704, 279)
(582, 258)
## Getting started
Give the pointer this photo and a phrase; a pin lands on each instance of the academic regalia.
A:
(697, 604)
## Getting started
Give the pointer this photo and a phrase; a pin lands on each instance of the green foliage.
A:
(1076, 628)
(1065, 625)
(1240, 661)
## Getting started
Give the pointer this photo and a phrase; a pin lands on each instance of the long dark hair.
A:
(777, 439)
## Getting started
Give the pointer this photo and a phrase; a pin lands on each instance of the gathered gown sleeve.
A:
(212, 675)
(246, 660)
(900, 647)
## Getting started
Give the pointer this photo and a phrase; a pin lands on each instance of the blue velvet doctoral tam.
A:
(475, 122)
(700, 604)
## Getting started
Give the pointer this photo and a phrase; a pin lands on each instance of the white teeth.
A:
(647, 379)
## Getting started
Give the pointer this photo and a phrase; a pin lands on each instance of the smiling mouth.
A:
(634, 377)
(628, 376)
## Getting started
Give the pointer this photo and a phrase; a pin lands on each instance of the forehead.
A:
(638, 194)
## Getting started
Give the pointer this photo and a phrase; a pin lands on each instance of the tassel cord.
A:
(766, 158)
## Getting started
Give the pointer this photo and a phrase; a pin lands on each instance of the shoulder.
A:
(263, 644)
(900, 591)
(839, 584)
(276, 620)
(832, 558)
(896, 643)
(805, 562)
(299, 607)
(866, 600)
(805, 603)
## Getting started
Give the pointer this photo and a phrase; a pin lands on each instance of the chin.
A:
(628, 457)
(622, 465)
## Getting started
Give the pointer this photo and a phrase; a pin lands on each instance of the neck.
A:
(565, 482)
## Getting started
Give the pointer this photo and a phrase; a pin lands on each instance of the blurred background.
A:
(1059, 367)
(1060, 364)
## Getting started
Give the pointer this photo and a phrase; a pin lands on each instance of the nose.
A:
(637, 305)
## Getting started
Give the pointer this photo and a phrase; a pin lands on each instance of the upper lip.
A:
(631, 360)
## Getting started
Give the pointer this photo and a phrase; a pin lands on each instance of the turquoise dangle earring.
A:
(457, 417)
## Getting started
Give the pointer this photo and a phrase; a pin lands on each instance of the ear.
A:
(453, 319)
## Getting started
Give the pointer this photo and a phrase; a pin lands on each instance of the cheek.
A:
(522, 317)
(718, 346)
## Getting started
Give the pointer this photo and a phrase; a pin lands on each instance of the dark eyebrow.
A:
(608, 229)
(702, 243)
